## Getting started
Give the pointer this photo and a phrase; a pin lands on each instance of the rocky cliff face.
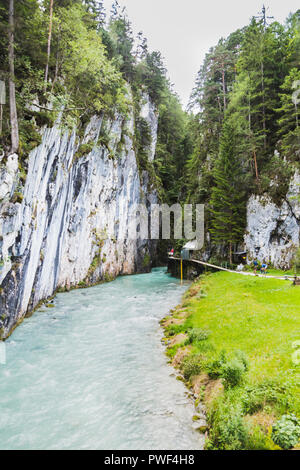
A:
(69, 225)
(273, 231)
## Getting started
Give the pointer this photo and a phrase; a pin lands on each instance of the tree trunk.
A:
(12, 91)
(49, 42)
(249, 112)
(220, 109)
(255, 164)
(264, 105)
(230, 253)
(56, 72)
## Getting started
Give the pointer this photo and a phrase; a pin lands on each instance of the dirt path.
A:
(283, 278)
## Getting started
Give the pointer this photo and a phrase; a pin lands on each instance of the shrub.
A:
(228, 430)
(258, 440)
(192, 365)
(84, 149)
(146, 260)
(197, 334)
(296, 262)
(233, 373)
(286, 432)
(17, 197)
(214, 368)
(43, 118)
(173, 330)
(241, 356)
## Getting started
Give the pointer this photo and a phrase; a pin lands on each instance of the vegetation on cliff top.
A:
(68, 55)
(248, 85)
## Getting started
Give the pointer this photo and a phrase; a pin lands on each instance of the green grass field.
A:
(258, 316)
(254, 317)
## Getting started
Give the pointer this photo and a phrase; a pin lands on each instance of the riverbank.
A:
(234, 341)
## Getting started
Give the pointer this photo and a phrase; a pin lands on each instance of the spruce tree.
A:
(289, 122)
(228, 206)
(263, 59)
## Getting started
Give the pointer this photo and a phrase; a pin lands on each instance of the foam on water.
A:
(91, 373)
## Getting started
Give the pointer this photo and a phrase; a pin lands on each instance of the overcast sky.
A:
(184, 30)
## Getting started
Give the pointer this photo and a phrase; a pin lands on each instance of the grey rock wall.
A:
(70, 225)
(273, 231)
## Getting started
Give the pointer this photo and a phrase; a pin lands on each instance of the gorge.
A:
(91, 128)
(103, 136)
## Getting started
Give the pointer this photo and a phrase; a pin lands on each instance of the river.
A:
(91, 372)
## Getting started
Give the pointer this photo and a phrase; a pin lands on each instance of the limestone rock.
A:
(273, 231)
(73, 222)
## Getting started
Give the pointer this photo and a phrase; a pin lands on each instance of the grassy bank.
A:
(233, 339)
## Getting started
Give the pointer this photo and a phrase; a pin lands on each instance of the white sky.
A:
(184, 30)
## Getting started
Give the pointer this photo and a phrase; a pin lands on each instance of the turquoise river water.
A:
(91, 373)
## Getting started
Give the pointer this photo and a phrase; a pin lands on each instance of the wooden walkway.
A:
(283, 278)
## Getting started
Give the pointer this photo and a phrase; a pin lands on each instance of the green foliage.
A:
(92, 81)
(17, 197)
(259, 380)
(233, 372)
(214, 367)
(264, 58)
(88, 65)
(84, 149)
(286, 432)
(275, 180)
(243, 359)
(104, 138)
(151, 75)
(93, 70)
(82, 79)
(146, 260)
(173, 330)
(122, 37)
(289, 116)
(228, 430)
(244, 111)
(29, 137)
(269, 392)
(257, 439)
(192, 365)
(296, 262)
(43, 118)
(143, 142)
(231, 369)
(197, 334)
(173, 148)
(228, 201)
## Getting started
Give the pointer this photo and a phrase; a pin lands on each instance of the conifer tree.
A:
(121, 32)
(12, 89)
(97, 10)
(228, 206)
(289, 122)
(263, 59)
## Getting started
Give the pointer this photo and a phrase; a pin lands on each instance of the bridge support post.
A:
(181, 270)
